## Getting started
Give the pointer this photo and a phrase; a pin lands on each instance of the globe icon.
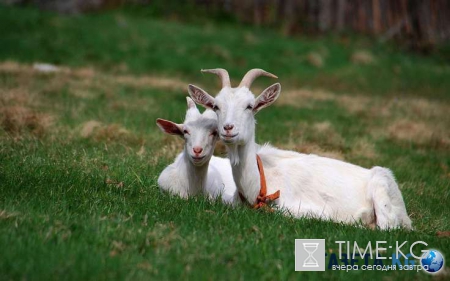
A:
(433, 260)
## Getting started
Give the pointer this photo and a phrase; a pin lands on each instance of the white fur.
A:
(309, 185)
(212, 177)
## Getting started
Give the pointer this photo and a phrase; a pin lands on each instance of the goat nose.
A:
(197, 150)
(228, 127)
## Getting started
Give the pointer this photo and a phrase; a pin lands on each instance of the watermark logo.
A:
(432, 261)
(309, 255)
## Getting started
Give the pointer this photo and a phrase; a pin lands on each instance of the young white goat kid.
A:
(309, 185)
(196, 170)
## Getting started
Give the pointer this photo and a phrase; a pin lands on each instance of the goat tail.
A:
(389, 207)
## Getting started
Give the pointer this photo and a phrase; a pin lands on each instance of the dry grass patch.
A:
(362, 57)
(19, 119)
(18, 96)
(315, 59)
(12, 67)
(423, 108)
(82, 94)
(310, 148)
(41, 68)
(86, 76)
(107, 133)
(87, 129)
(168, 147)
(364, 148)
(161, 238)
(297, 143)
(385, 117)
(324, 140)
(354, 104)
(407, 130)
(324, 128)
(418, 132)
(4, 215)
(326, 134)
(302, 98)
(445, 170)
(321, 138)
(147, 104)
(17, 115)
(152, 82)
(416, 120)
(111, 132)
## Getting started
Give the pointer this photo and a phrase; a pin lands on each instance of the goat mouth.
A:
(198, 158)
(227, 137)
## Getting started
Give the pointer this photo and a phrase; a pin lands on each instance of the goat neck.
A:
(196, 175)
(245, 170)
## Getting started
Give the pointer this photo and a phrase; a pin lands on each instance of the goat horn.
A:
(223, 75)
(252, 74)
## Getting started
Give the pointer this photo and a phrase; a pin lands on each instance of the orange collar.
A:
(263, 198)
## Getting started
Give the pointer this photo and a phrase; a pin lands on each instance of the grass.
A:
(80, 152)
(140, 44)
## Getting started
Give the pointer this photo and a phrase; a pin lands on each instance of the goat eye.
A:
(186, 132)
(249, 107)
(215, 108)
(214, 133)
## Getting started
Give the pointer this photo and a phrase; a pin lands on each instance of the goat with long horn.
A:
(300, 184)
(223, 75)
(252, 74)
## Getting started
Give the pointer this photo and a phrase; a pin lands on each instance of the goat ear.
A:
(190, 103)
(267, 97)
(170, 127)
(200, 96)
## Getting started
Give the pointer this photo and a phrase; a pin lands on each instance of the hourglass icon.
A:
(310, 260)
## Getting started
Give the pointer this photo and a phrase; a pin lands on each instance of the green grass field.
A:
(80, 152)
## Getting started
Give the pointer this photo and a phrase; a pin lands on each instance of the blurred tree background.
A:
(418, 24)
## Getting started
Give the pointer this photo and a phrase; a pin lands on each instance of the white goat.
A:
(309, 185)
(195, 170)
